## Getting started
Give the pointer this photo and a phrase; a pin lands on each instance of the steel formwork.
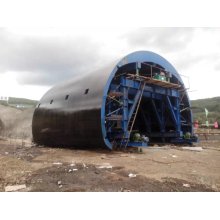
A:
(108, 108)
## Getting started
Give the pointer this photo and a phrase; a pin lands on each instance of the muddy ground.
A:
(167, 168)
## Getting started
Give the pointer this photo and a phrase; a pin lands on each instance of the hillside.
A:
(213, 106)
(19, 102)
(198, 107)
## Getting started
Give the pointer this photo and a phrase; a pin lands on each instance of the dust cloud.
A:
(15, 123)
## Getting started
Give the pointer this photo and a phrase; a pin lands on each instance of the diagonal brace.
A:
(171, 110)
(157, 115)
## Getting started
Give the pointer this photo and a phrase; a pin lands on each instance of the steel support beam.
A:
(174, 113)
(161, 123)
(147, 121)
(125, 105)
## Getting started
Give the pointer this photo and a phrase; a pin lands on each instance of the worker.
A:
(216, 124)
(196, 124)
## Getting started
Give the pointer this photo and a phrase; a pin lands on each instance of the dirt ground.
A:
(167, 168)
(26, 167)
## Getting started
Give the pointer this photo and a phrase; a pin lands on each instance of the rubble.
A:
(131, 175)
(105, 166)
(14, 188)
(186, 185)
(193, 148)
(57, 163)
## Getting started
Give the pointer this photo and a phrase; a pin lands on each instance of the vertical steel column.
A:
(177, 106)
(125, 105)
(138, 67)
(162, 115)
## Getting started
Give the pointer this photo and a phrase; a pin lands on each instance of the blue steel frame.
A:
(138, 58)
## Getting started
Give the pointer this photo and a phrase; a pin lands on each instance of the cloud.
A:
(189, 60)
(165, 39)
(46, 60)
(217, 67)
(183, 47)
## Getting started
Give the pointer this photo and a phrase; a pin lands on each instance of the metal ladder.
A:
(133, 116)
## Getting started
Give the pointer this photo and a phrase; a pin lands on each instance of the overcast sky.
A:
(33, 60)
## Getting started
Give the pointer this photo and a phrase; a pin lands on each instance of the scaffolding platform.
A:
(150, 80)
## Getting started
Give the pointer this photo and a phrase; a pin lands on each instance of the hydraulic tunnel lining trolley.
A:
(143, 99)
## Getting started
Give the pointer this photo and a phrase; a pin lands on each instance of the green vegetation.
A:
(198, 107)
(19, 102)
(213, 106)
